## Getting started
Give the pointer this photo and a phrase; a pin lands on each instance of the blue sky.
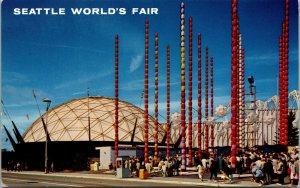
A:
(60, 56)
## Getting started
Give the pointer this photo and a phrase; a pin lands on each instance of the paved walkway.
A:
(189, 178)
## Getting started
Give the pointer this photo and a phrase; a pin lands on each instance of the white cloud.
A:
(135, 63)
(70, 47)
(133, 85)
(270, 58)
(82, 80)
(14, 77)
(22, 96)
(139, 84)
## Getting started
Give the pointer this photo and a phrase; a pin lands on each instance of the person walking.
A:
(169, 168)
(164, 170)
(148, 168)
(204, 163)
(52, 167)
(230, 170)
(201, 170)
(268, 171)
(8, 166)
(280, 172)
(133, 166)
(275, 166)
(294, 174)
(18, 167)
(138, 165)
(248, 164)
(213, 170)
(175, 167)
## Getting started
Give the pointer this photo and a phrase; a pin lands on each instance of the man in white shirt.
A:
(148, 168)
(204, 163)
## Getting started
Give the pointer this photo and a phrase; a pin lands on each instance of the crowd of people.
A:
(16, 166)
(21, 166)
(266, 168)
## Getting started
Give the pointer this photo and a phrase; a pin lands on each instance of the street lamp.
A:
(251, 80)
(48, 102)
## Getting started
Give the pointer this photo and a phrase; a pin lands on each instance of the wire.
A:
(33, 92)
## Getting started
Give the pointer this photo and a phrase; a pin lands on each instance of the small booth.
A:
(123, 167)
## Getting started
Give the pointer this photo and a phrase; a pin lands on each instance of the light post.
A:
(48, 102)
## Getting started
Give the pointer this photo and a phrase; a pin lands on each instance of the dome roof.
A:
(69, 122)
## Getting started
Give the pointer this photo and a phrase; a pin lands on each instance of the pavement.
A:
(186, 179)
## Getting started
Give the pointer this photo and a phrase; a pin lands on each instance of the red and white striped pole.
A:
(146, 92)
(286, 70)
(183, 139)
(206, 100)
(116, 152)
(238, 85)
(156, 102)
(280, 130)
(199, 96)
(242, 93)
(212, 139)
(190, 104)
(168, 102)
(234, 85)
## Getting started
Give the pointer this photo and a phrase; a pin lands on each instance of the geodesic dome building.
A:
(78, 126)
(92, 119)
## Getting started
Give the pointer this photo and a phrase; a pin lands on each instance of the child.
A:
(201, 170)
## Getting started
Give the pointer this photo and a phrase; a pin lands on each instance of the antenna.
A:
(5, 110)
(34, 95)
(43, 122)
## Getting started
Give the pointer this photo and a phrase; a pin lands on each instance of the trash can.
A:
(91, 167)
(96, 167)
(143, 174)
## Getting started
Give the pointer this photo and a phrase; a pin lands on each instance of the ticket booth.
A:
(123, 167)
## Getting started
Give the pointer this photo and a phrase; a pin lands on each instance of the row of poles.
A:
(237, 91)
(183, 105)
(237, 83)
(283, 78)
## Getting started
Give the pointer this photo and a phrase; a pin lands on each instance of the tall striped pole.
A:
(238, 86)
(212, 139)
(206, 100)
(168, 102)
(183, 139)
(190, 104)
(279, 131)
(282, 87)
(199, 96)
(242, 90)
(286, 70)
(146, 92)
(156, 102)
(116, 152)
(282, 132)
(234, 83)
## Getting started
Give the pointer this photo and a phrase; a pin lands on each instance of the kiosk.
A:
(123, 167)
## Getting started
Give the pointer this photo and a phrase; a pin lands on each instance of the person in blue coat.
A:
(258, 174)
